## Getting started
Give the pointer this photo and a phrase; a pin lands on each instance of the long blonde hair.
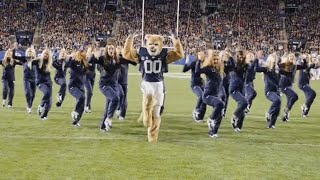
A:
(49, 65)
(271, 62)
(63, 54)
(8, 56)
(81, 57)
(209, 61)
(31, 52)
(288, 60)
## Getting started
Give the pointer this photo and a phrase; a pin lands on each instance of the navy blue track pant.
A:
(242, 105)
(250, 93)
(8, 91)
(112, 100)
(309, 93)
(89, 84)
(274, 110)
(63, 87)
(78, 93)
(30, 92)
(200, 106)
(123, 105)
(46, 102)
(292, 96)
(218, 106)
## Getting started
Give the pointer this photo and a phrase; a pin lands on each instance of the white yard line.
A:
(104, 136)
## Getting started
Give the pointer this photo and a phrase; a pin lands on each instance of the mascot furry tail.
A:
(149, 119)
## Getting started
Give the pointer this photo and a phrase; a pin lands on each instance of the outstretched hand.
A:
(172, 36)
(201, 55)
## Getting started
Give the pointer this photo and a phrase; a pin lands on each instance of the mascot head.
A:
(154, 44)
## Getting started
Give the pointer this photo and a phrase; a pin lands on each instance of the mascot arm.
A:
(129, 52)
(177, 53)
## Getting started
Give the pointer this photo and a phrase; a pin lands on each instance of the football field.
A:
(54, 149)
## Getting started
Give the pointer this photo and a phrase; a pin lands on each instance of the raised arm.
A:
(259, 68)
(178, 51)
(19, 58)
(128, 51)
(187, 66)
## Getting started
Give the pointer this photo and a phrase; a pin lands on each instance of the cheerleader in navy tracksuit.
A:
(229, 64)
(309, 62)
(250, 92)
(271, 79)
(89, 80)
(60, 76)
(123, 85)
(288, 63)
(236, 90)
(8, 77)
(108, 84)
(196, 86)
(212, 67)
(43, 66)
(78, 66)
(29, 80)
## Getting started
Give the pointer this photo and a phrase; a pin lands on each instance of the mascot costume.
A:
(153, 60)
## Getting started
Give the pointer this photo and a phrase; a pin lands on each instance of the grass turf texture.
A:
(54, 149)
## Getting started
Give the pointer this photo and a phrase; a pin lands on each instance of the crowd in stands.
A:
(73, 23)
(15, 17)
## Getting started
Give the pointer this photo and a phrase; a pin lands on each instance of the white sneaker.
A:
(108, 124)
(3, 103)
(29, 110)
(87, 110)
(39, 110)
(9, 106)
(213, 135)
(237, 129)
(121, 118)
(44, 118)
(117, 113)
(74, 116)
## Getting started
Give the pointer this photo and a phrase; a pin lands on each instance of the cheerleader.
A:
(123, 85)
(212, 67)
(29, 83)
(288, 63)
(250, 92)
(196, 86)
(43, 66)
(236, 90)
(60, 76)
(229, 64)
(272, 73)
(108, 84)
(8, 77)
(309, 62)
(78, 66)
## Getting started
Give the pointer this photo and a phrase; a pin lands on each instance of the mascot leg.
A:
(147, 110)
(153, 131)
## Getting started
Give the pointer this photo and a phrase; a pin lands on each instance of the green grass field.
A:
(54, 149)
